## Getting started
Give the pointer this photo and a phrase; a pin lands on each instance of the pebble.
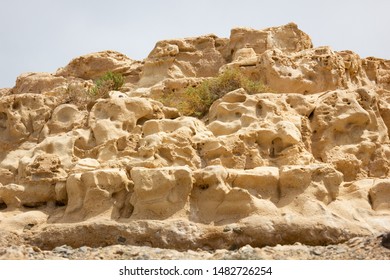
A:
(316, 252)
(247, 249)
(340, 251)
(83, 249)
(64, 249)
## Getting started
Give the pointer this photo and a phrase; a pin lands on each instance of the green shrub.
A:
(109, 81)
(196, 101)
(79, 94)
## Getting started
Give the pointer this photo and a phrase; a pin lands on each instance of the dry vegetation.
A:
(80, 94)
(196, 100)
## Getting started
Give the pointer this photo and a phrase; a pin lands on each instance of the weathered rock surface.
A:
(308, 162)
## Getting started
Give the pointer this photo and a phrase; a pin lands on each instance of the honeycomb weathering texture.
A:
(307, 162)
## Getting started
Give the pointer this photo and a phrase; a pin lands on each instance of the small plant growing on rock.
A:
(81, 94)
(109, 81)
(77, 94)
(196, 100)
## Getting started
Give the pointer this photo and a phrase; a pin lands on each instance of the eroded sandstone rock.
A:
(38, 83)
(308, 162)
(22, 117)
(191, 57)
(97, 192)
(160, 193)
(287, 38)
(94, 65)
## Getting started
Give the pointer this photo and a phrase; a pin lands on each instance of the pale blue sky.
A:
(43, 35)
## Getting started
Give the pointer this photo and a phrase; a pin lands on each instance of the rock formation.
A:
(307, 162)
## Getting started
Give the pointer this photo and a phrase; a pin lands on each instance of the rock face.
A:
(307, 162)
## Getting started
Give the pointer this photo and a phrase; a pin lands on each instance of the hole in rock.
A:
(90, 105)
(29, 226)
(3, 206)
(204, 187)
(34, 205)
(346, 100)
(311, 115)
(16, 106)
(60, 203)
(141, 121)
(259, 107)
(276, 147)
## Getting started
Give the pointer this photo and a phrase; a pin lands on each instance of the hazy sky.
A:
(43, 35)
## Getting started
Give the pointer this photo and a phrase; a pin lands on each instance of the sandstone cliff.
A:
(306, 162)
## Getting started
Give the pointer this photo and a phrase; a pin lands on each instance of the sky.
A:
(43, 35)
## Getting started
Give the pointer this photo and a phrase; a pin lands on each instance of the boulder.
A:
(160, 193)
(95, 65)
(97, 192)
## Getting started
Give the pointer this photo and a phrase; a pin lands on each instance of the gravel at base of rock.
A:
(359, 248)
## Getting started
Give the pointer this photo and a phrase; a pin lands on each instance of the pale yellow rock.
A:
(16, 196)
(43, 167)
(306, 162)
(10, 160)
(189, 125)
(268, 125)
(97, 192)
(261, 182)
(245, 56)
(64, 118)
(346, 128)
(380, 194)
(114, 118)
(22, 117)
(4, 91)
(287, 38)
(378, 71)
(59, 145)
(356, 204)
(160, 193)
(19, 221)
(85, 164)
(208, 193)
(190, 57)
(95, 65)
(38, 83)
(307, 71)
(6, 176)
(321, 182)
(218, 198)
